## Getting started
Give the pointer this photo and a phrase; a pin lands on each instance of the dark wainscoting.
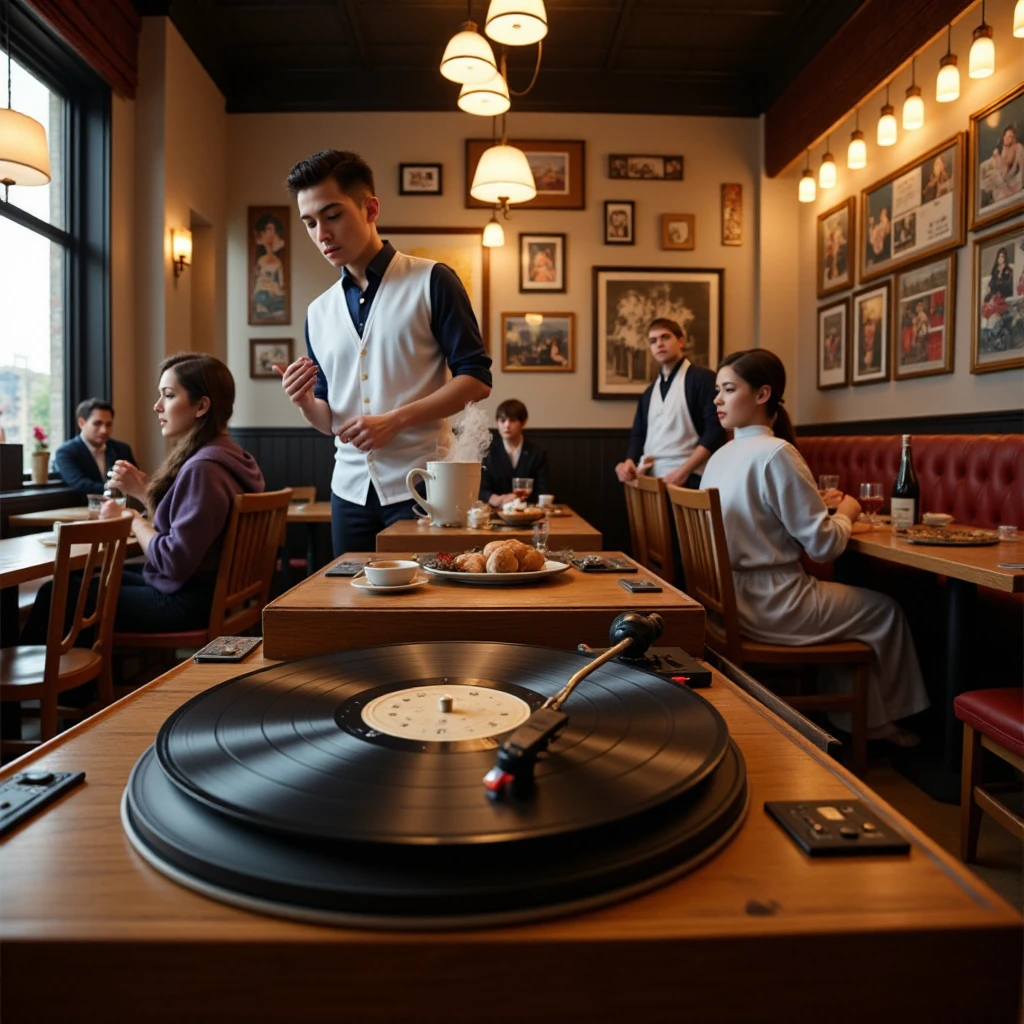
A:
(1005, 421)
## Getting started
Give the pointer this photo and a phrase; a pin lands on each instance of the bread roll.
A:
(502, 560)
(531, 561)
(471, 561)
(494, 545)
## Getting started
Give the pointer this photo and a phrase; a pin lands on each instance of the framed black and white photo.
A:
(869, 362)
(264, 353)
(997, 308)
(834, 345)
(538, 342)
(618, 222)
(646, 168)
(837, 242)
(419, 179)
(627, 299)
(996, 160)
(924, 319)
(541, 263)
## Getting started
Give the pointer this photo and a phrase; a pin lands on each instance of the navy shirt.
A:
(452, 320)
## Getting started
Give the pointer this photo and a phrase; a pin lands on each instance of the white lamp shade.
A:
(24, 156)
(827, 172)
(181, 245)
(982, 61)
(487, 99)
(857, 154)
(913, 110)
(516, 22)
(887, 127)
(494, 235)
(808, 190)
(947, 85)
(503, 174)
(1018, 20)
(468, 57)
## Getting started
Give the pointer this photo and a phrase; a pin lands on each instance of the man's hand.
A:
(677, 477)
(626, 471)
(369, 433)
(497, 500)
(298, 379)
(129, 479)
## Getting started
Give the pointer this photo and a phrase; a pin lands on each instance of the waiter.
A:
(380, 342)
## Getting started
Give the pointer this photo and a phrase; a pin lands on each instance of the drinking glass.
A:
(522, 486)
(828, 482)
(871, 500)
(540, 535)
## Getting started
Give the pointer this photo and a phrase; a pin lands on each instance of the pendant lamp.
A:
(857, 153)
(1018, 20)
(468, 57)
(503, 175)
(808, 190)
(887, 123)
(516, 22)
(947, 85)
(827, 171)
(486, 99)
(982, 60)
(494, 233)
(913, 105)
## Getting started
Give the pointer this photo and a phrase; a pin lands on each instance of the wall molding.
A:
(1004, 421)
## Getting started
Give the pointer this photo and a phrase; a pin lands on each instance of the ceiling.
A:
(712, 57)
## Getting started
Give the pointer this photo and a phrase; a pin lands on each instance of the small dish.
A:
(362, 583)
(391, 572)
(524, 518)
(938, 519)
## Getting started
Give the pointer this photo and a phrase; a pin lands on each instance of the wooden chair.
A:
(654, 550)
(635, 513)
(698, 521)
(243, 579)
(43, 673)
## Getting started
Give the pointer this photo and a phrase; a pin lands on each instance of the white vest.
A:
(671, 435)
(397, 361)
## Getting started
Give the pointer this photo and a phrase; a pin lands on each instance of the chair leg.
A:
(859, 723)
(970, 812)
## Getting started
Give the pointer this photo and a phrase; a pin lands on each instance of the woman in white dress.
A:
(773, 513)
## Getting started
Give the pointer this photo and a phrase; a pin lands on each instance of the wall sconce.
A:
(181, 249)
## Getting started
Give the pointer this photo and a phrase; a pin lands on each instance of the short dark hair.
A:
(669, 325)
(349, 170)
(511, 409)
(90, 405)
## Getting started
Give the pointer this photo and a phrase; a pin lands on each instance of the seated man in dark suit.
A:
(84, 461)
(511, 455)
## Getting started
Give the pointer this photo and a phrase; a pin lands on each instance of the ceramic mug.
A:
(452, 488)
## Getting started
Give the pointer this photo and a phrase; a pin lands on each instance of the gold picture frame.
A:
(679, 231)
(538, 342)
(997, 311)
(990, 175)
(924, 319)
(835, 269)
(269, 283)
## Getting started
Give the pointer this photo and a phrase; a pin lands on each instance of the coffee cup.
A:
(452, 489)
(545, 500)
(393, 572)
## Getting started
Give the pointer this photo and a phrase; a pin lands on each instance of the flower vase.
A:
(40, 466)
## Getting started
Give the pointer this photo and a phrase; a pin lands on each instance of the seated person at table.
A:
(511, 455)
(772, 514)
(189, 499)
(84, 461)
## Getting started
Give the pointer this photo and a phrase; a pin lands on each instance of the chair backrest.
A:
(701, 532)
(657, 527)
(635, 512)
(107, 541)
(247, 561)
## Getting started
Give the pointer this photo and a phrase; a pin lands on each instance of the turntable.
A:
(439, 785)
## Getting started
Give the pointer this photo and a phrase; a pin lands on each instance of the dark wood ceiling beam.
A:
(879, 38)
(618, 34)
(351, 19)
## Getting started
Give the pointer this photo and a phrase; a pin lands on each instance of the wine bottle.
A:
(906, 492)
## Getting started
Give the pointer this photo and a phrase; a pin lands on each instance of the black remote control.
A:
(25, 793)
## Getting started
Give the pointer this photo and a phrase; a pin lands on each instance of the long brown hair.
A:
(201, 376)
(761, 368)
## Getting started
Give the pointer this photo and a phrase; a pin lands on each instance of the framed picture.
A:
(916, 212)
(834, 346)
(541, 263)
(618, 222)
(924, 317)
(627, 299)
(997, 306)
(646, 168)
(538, 342)
(558, 172)
(837, 230)
(264, 352)
(269, 273)
(869, 361)
(996, 159)
(459, 248)
(678, 231)
(732, 214)
(419, 179)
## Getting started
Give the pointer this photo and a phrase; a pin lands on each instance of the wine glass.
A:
(828, 482)
(871, 499)
(522, 487)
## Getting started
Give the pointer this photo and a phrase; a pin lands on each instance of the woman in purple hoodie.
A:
(189, 500)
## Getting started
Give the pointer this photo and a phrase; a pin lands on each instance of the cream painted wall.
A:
(262, 148)
(122, 267)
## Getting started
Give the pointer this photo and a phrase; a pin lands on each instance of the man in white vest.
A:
(379, 344)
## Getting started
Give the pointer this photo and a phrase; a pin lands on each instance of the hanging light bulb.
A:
(468, 57)
(1018, 20)
(913, 105)
(808, 190)
(947, 85)
(857, 152)
(494, 233)
(827, 171)
(516, 22)
(982, 61)
(887, 123)
(487, 99)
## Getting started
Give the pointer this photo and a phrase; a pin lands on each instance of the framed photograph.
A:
(837, 229)
(646, 168)
(459, 248)
(627, 299)
(924, 317)
(869, 360)
(558, 172)
(264, 352)
(997, 306)
(538, 342)
(419, 179)
(996, 160)
(732, 214)
(678, 231)
(618, 222)
(834, 346)
(269, 273)
(916, 212)
(541, 263)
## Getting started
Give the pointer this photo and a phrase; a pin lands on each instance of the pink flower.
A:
(40, 435)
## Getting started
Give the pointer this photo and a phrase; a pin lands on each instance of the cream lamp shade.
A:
(24, 156)
(827, 172)
(947, 85)
(516, 22)
(503, 175)
(982, 61)
(468, 57)
(913, 109)
(887, 126)
(494, 234)
(1018, 20)
(181, 249)
(857, 154)
(487, 99)
(808, 190)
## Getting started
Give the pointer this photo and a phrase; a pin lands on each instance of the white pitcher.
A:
(452, 487)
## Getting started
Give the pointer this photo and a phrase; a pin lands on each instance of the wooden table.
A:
(566, 531)
(324, 614)
(759, 932)
(312, 512)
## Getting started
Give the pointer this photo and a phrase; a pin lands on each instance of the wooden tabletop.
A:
(25, 558)
(978, 565)
(49, 516)
(565, 531)
(313, 512)
(323, 614)
(759, 932)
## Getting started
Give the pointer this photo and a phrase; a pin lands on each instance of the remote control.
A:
(25, 793)
(227, 648)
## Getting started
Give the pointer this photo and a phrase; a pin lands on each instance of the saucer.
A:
(362, 583)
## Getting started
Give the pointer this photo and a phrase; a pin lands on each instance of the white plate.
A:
(551, 568)
(49, 539)
(362, 583)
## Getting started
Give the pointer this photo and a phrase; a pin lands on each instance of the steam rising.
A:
(469, 437)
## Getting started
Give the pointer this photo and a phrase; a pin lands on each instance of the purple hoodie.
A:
(192, 516)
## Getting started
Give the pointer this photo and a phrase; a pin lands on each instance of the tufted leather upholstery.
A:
(998, 714)
(977, 478)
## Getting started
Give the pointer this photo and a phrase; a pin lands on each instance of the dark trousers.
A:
(355, 527)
